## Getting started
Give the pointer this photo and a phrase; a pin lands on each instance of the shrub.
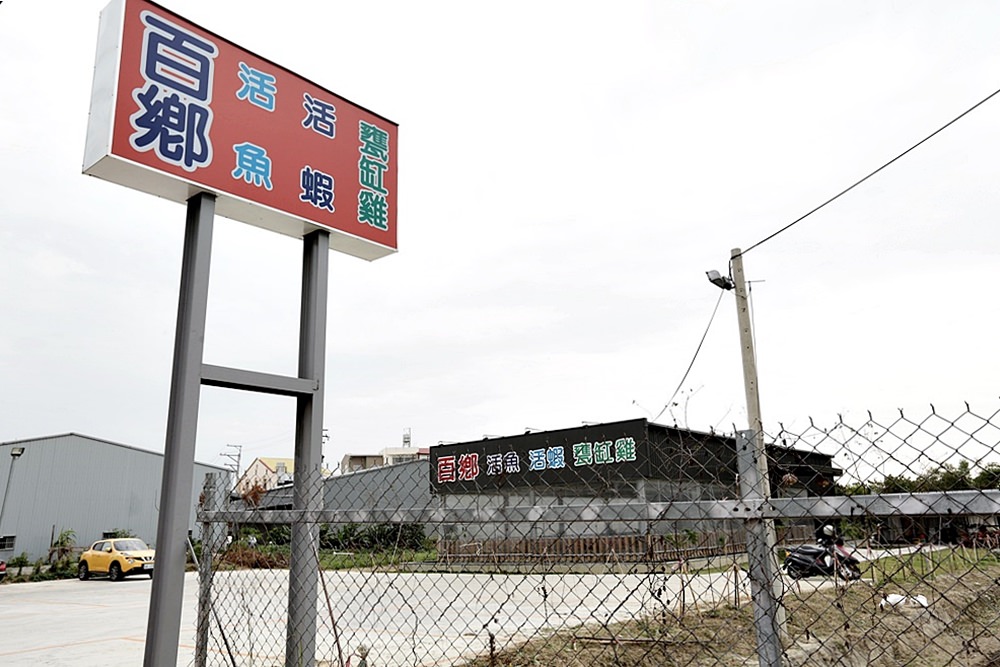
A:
(120, 533)
(20, 562)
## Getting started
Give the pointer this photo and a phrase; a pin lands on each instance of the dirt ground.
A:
(842, 626)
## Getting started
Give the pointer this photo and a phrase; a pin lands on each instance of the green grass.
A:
(331, 560)
(270, 555)
(923, 565)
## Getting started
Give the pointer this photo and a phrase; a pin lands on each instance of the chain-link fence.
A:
(631, 543)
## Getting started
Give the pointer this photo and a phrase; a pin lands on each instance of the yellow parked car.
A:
(117, 558)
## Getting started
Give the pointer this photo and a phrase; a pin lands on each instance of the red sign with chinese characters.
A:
(177, 109)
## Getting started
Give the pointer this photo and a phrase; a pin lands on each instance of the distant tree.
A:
(896, 484)
(947, 477)
(988, 477)
(854, 489)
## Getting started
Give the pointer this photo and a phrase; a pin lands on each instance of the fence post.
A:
(210, 542)
(765, 583)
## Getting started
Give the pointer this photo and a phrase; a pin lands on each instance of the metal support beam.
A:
(264, 383)
(164, 621)
(937, 503)
(303, 584)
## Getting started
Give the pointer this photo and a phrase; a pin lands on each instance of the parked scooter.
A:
(828, 558)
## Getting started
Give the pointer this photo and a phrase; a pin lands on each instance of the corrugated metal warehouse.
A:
(79, 483)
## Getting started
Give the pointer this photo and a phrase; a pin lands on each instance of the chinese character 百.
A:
(373, 209)
(252, 164)
(494, 464)
(176, 58)
(556, 457)
(319, 116)
(624, 450)
(374, 141)
(536, 459)
(446, 469)
(511, 462)
(258, 88)
(468, 467)
(583, 454)
(317, 188)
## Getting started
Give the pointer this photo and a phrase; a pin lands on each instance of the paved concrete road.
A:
(404, 619)
(80, 623)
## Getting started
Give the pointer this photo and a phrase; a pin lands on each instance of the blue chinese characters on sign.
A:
(252, 164)
(258, 89)
(317, 188)
(320, 116)
(174, 114)
(550, 458)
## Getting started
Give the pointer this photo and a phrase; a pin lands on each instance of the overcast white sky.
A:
(567, 173)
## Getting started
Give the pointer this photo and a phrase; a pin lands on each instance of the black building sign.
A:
(594, 456)
(599, 458)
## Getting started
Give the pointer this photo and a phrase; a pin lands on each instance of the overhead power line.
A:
(846, 190)
(700, 343)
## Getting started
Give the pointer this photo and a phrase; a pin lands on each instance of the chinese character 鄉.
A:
(468, 467)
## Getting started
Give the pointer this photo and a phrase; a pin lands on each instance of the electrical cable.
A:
(690, 365)
(845, 191)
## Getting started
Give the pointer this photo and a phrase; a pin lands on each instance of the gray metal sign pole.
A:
(303, 582)
(189, 373)
(163, 627)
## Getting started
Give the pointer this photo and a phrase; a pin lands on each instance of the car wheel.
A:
(115, 572)
(83, 572)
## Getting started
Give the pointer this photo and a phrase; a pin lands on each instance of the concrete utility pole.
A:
(746, 347)
(755, 485)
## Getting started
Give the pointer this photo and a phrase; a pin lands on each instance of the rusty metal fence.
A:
(624, 544)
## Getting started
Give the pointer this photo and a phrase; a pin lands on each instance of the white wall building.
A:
(84, 484)
(268, 472)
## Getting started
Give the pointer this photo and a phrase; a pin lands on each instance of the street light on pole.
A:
(752, 467)
(15, 454)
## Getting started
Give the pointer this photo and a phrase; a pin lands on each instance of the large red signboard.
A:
(177, 110)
